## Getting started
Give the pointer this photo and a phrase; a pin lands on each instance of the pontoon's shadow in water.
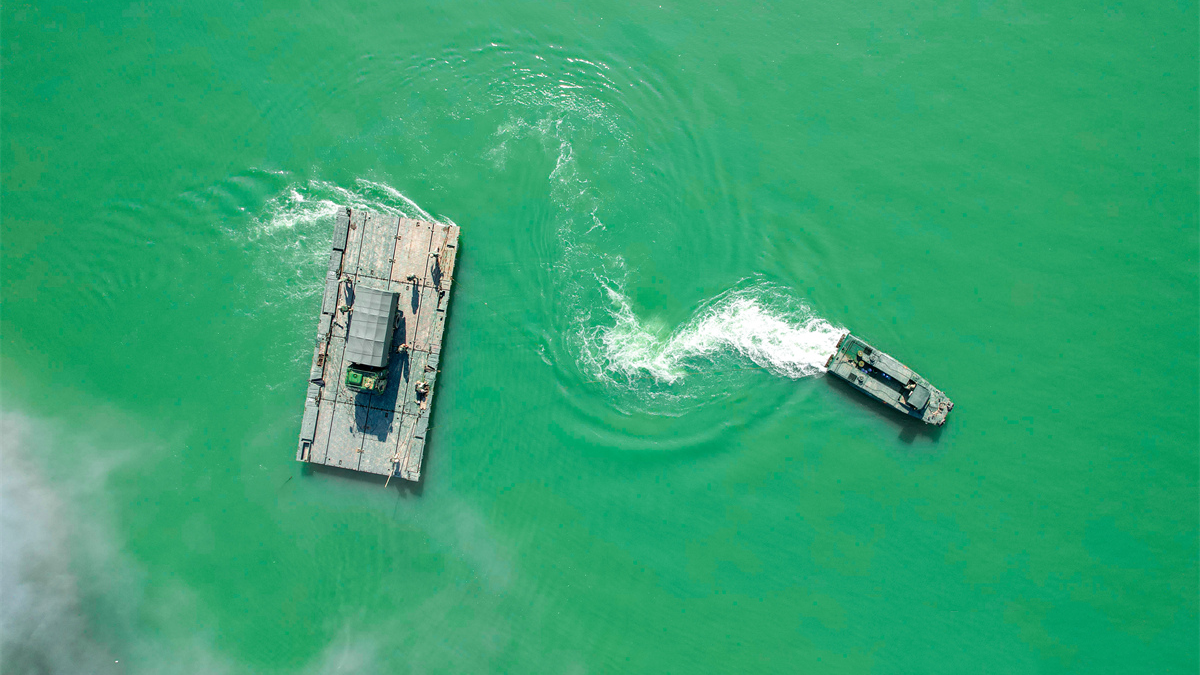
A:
(402, 487)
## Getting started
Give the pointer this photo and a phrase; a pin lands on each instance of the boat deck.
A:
(886, 379)
(381, 433)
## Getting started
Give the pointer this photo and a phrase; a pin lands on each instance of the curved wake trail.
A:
(314, 202)
(759, 322)
(583, 129)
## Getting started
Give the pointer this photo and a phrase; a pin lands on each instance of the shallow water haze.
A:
(636, 463)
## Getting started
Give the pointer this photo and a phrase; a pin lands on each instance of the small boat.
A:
(883, 377)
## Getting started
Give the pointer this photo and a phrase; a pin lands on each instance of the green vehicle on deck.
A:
(369, 339)
(367, 380)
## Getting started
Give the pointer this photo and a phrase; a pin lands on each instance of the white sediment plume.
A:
(41, 623)
(758, 322)
(76, 600)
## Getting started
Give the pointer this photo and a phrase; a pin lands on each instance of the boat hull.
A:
(888, 381)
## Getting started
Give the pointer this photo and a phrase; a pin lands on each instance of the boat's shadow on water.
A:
(910, 427)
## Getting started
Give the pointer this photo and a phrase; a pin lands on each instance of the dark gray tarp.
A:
(372, 320)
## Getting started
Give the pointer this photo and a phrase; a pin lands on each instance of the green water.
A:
(668, 212)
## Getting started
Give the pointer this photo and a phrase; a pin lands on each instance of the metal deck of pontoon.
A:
(381, 433)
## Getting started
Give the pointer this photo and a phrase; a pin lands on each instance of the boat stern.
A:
(837, 349)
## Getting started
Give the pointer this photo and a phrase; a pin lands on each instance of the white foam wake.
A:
(759, 322)
(315, 201)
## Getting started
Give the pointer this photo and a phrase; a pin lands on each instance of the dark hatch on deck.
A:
(919, 397)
